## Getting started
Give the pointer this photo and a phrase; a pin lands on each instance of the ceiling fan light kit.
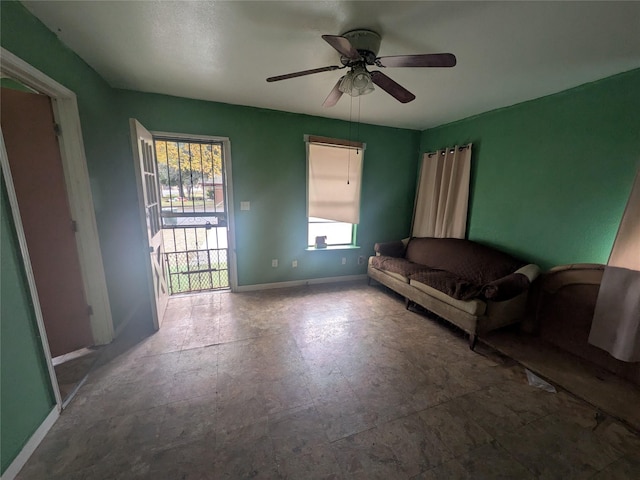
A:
(359, 48)
(357, 82)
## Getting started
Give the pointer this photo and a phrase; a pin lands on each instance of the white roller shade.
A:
(335, 174)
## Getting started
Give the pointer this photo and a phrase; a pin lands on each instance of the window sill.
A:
(333, 248)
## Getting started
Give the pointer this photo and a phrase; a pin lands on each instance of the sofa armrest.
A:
(531, 271)
(506, 288)
(390, 249)
(511, 285)
(577, 266)
(575, 274)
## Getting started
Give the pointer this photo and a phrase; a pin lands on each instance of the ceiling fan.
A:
(358, 49)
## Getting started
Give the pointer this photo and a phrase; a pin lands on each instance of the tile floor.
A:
(333, 381)
(71, 371)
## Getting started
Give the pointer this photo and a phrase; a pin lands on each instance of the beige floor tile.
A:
(365, 455)
(452, 470)
(414, 444)
(555, 448)
(455, 428)
(326, 382)
(626, 468)
(492, 461)
(296, 432)
(319, 464)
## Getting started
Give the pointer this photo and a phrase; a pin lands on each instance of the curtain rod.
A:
(335, 142)
(442, 152)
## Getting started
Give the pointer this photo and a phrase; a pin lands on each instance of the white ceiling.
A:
(507, 52)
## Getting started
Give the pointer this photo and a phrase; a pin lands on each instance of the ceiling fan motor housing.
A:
(366, 42)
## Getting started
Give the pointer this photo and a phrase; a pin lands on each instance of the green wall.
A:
(107, 150)
(551, 176)
(25, 390)
(269, 170)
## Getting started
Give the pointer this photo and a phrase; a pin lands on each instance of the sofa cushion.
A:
(390, 249)
(448, 283)
(506, 287)
(471, 261)
(397, 276)
(475, 307)
(396, 265)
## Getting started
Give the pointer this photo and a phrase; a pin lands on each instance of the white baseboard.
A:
(30, 447)
(299, 283)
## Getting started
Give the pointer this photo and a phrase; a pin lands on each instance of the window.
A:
(334, 171)
(337, 233)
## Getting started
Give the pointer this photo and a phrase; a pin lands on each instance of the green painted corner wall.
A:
(25, 390)
(107, 151)
(269, 170)
(551, 177)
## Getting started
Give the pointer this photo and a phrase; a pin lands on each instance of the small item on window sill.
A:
(321, 242)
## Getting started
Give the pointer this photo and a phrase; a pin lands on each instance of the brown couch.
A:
(473, 286)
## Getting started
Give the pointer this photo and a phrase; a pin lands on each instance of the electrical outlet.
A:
(245, 205)
(274, 262)
(294, 264)
(361, 260)
(344, 260)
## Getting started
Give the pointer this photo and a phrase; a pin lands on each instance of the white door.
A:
(150, 209)
(38, 178)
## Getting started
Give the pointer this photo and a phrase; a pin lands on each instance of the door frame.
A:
(22, 241)
(228, 180)
(74, 165)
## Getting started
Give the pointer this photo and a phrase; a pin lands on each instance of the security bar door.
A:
(192, 178)
(149, 199)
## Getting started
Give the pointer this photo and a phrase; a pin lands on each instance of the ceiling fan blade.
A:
(342, 45)
(334, 95)
(426, 60)
(394, 89)
(302, 73)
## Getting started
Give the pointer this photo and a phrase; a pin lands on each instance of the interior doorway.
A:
(51, 208)
(192, 173)
(38, 179)
(36, 167)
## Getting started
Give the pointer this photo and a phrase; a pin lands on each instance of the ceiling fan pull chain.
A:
(358, 129)
(349, 137)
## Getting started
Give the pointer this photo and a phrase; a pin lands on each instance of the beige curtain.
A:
(626, 248)
(443, 194)
(616, 321)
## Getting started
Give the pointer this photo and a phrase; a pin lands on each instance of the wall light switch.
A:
(344, 260)
(274, 262)
(294, 264)
(245, 205)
